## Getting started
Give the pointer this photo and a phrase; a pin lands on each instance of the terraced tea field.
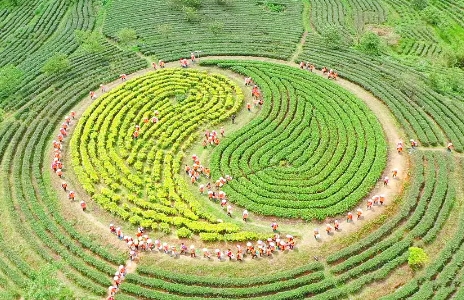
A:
(217, 189)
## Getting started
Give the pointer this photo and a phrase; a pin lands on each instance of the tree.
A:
(9, 295)
(359, 29)
(216, 27)
(224, 2)
(451, 81)
(454, 57)
(371, 44)
(432, 15)
(10, 79)
(181, 4)
(46, 285)
(455, 81)
(191, 3)
(417, 258)
(89, 41)
(165, 30)
(56, 64)
(459, 59)
(2, 115)
(126, 35)
(332, 36)
(8, 3)
(435, 82)
(404, 85)
(191, 14)
(419, 4)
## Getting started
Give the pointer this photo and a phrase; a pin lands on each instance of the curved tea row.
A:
(427, 203)
(137, 177)
(314, 151)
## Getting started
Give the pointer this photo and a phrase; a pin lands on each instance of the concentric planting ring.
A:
(314, 151)
(138, 178)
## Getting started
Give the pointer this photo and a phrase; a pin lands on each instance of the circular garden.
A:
(313, 151)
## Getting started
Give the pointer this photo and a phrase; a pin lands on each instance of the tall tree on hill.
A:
(126, 35)
(371, 44)
(10, 79)
(419, 4)
(89, 41)
(58, 63)
(333, 36)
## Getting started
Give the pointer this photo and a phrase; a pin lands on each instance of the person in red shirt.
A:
(349, 217)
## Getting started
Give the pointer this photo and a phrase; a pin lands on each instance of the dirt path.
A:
(131, 266)
(306, 16)
(299, 47)
(390, 127)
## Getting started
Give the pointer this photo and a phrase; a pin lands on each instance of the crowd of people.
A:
(212, 137)
(184, 62)
(139, 243)
(118, 278)
(335, 225)
(196, 170)
(331, 74)
(255, 93)
(214, 193)
(414, 144)
(161, 64)
(376, 200)
(154, 119)
(143, 243)
(57, 164)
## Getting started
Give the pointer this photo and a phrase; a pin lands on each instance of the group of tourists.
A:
(118, 278)
(142, 243)
(212, 137)
(154, 119)
(184, 62)
(334, 226)
(255, 93)
(414, 144)
(196, 170)
(376, 200)
(57, 164)
(399, 145)
(331, 74)
(139, 243)
(161, 64)
(216, 194)
(219, 195)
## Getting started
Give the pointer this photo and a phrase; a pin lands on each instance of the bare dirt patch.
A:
(386, 33)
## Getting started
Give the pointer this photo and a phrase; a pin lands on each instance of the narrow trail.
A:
(306, 19)
(441, 149)
(389, 124)
(299, 47)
